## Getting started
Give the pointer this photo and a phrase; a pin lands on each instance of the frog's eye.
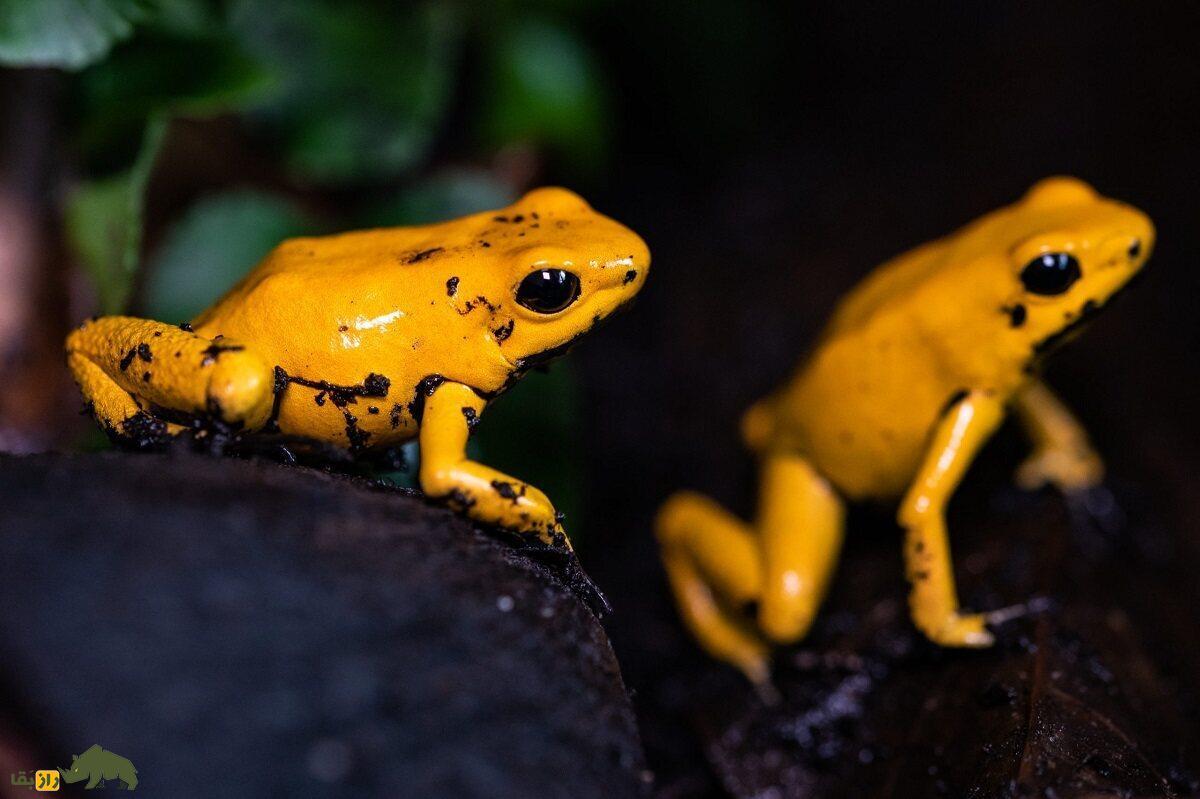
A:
(1051, 273)
(548, 290)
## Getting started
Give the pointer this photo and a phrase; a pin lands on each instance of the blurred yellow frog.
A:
(913, 374)
(368, 339)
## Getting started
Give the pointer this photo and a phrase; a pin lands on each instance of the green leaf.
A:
(446, 195)
(104, 223)
(192, 76)
(212, 245)
(542, 85)
(361, 86)
(70, 34)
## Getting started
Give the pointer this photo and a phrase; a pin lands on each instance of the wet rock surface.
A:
(242, 628)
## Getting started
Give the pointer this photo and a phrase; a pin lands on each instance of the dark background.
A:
(771, 155)
(779, 165)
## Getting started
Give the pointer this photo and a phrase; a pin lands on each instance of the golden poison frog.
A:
(368, 339)
(915, 371)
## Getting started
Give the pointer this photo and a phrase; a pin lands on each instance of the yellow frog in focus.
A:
(365, 340)
(913, 374)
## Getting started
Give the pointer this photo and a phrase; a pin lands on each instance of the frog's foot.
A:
(1070, 469)
(967, 630)
(482, 493)
(713, 568)
(140, 376)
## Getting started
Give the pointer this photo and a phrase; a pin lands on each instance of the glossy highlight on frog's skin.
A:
(913, 374)
(365, 340)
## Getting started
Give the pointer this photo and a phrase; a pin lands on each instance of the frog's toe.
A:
(966, 630)
(1068, 470)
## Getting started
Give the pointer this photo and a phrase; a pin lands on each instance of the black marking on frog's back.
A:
(452, 286)
(374, 385)
(630, 276)
(422, 255)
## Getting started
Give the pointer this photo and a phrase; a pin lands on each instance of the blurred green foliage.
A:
(213, 244)
(104, 222)
(367, 114)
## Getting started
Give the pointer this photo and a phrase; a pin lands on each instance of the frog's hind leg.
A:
(117, 411)
(716, 563)
(133, 370)
(801, 523)
(713, 567)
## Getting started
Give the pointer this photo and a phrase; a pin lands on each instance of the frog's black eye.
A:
(1051, 273)
(548, 290)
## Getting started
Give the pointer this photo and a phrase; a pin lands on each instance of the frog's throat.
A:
(1052, 343)
(526, 364)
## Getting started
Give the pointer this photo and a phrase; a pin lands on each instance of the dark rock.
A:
(242, 628)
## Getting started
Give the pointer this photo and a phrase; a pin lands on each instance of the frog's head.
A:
(562, 268)
(1049, 262)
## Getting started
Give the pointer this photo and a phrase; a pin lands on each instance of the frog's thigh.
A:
(113, 406)
(165, 366)
(708, 552)
(800, 524)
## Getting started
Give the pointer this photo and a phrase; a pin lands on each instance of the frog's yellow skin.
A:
(368, 339)
(912, 376)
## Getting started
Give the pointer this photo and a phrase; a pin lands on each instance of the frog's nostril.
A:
(1135, 248)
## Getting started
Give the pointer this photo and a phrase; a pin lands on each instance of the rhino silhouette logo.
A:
(98, 766)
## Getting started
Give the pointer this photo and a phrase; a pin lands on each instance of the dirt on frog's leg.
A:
(131, 368)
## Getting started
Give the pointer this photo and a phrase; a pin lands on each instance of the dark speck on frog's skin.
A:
(955, 398)
(1016, 314)
(1135, 248)
(417, 257)
(630, 276)
(452, 287)
(504, 331)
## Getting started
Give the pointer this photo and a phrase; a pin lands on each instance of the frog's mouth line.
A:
(524, 365)
(1087, 314)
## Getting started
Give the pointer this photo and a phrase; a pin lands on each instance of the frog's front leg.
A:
(1062, 455)
(481, 492)
(962, 430)
(130, 370)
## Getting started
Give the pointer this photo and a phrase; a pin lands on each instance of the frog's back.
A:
(348, 309)
(861, 406)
